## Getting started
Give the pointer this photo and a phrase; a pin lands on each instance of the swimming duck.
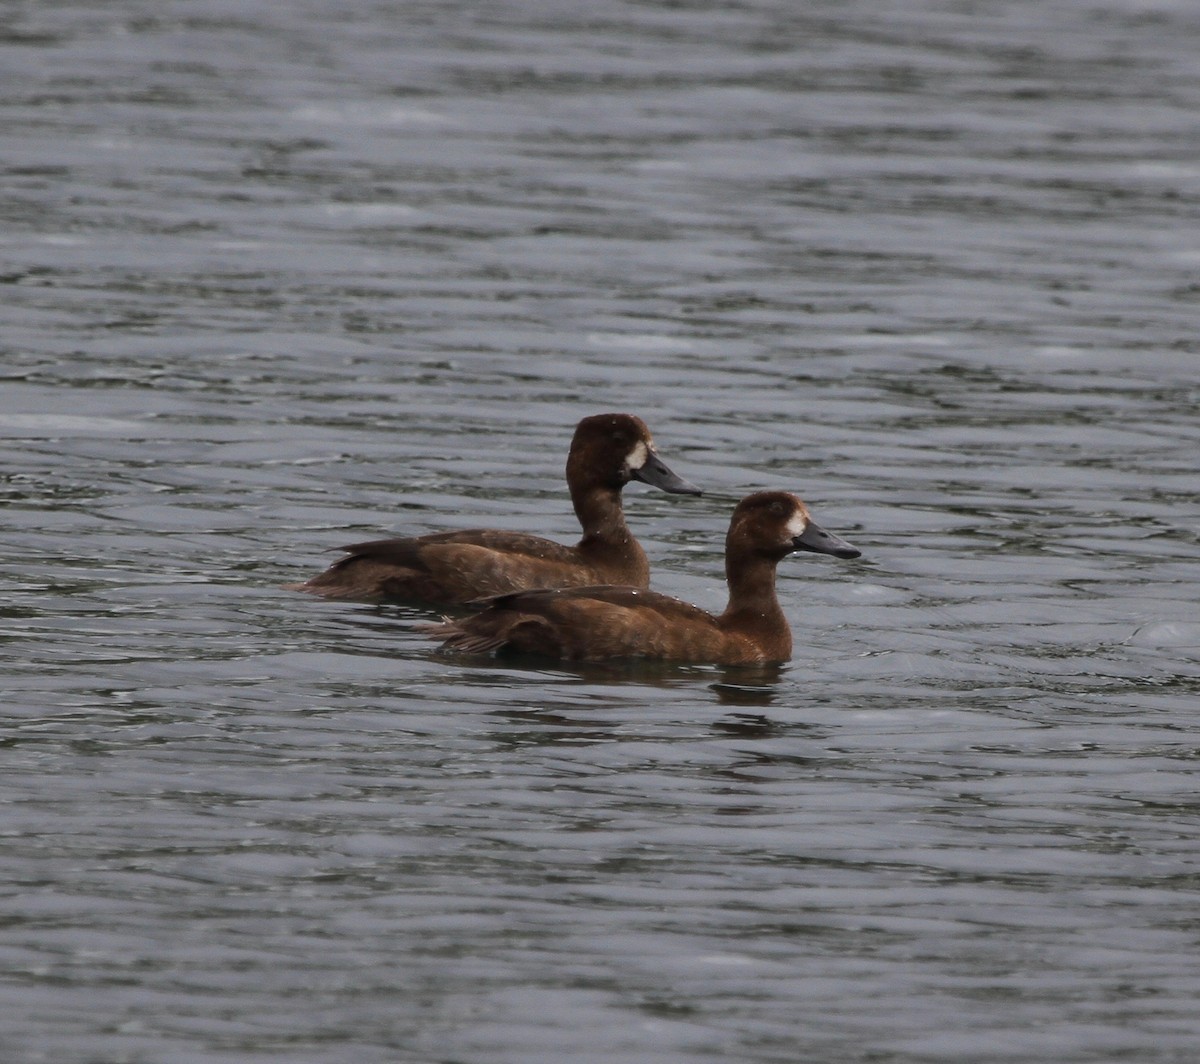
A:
(450, 568)
(607, 623)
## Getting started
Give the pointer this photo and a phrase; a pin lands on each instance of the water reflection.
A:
(739, 685)
(750, 726)
(749, 686)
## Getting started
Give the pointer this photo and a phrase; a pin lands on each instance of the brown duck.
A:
(449, 568)
(608, 623)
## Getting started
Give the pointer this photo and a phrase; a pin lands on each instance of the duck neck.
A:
(599, 511)
(754, 608)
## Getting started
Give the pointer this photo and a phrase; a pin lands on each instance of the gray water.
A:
(278, 277)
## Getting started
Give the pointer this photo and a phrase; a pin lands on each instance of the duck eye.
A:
(777, 508)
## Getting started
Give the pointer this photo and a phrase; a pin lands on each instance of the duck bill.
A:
(654, 471)
(814, 538)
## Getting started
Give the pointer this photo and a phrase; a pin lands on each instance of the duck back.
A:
(589, 624)
(452, 568)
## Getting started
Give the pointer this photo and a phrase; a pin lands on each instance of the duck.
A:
(451, 568)
(594, 624)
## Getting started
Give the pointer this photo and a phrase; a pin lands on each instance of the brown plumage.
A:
(606, 623)
(449, 568)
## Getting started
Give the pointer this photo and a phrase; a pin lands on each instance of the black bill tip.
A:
(655, 472)
(815, 539)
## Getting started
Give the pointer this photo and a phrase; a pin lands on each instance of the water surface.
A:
(282, 277)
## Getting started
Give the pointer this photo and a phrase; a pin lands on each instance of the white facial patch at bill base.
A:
(797, 525)
(638, 456)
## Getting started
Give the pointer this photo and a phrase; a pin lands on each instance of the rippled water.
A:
(280, 277)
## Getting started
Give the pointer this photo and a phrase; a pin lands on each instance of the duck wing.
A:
(587, 624)
(416, 551)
